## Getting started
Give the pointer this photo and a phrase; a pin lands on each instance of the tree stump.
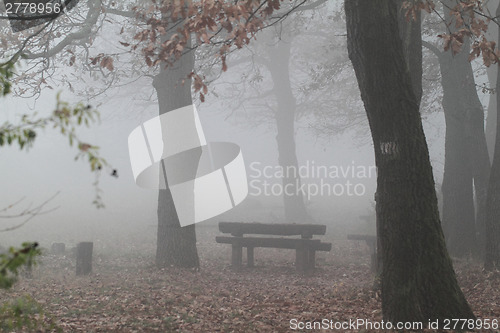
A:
(84, 258)
(58, 248)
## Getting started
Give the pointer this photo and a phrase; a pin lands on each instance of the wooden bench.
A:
(371, 241)
(305, 247)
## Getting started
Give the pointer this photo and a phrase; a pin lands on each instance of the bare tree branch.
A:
(29, 212)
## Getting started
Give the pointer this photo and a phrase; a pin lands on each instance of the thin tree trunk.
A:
(479, 157)
(492, 71)
(176, 245)
(491, 117)
(466, 161)
(295, 209)
(418, 280)
(492, 255)
(458, 202)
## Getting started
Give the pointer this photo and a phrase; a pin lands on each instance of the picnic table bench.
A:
(305, 247)
(371, 241)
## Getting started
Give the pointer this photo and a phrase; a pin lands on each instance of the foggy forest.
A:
(249, 166)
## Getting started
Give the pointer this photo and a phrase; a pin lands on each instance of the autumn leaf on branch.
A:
(413, 7)
(107, 62)
(217, 23)
(489, 51)
(199, 85)
(470, 21)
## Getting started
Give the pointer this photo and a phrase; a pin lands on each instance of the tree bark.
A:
(175, 245)
(411, 37)
(295, 209)
(418, 280)
(492, 255)
(410, 32)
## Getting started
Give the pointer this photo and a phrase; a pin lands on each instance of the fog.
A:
(49, 167)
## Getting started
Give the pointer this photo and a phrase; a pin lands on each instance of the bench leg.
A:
(373, 256)
(311, 260)
(236, 255)
(301, 259)
(250, 256)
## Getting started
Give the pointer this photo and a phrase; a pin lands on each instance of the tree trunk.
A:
(478, 153)
(491, 117)
(410, 32)
(175, 245)
(492, 255)
(411, 37)
(466, 160)
(418, 280)
(458, 202)
(295, 209)
(492, 71)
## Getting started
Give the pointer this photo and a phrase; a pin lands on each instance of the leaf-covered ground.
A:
(126, 293)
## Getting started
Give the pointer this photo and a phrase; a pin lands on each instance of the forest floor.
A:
(126, 293)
